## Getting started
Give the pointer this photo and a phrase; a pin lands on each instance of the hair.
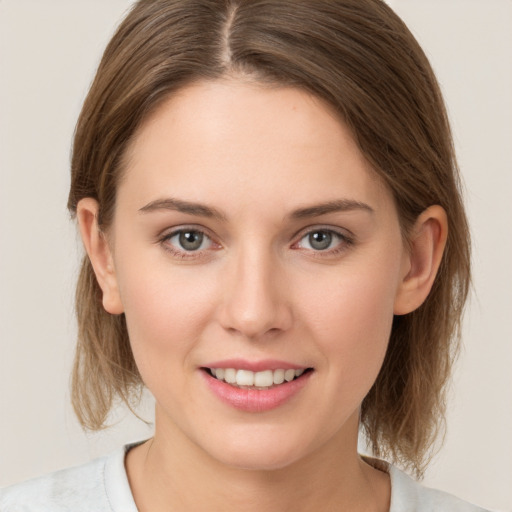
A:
(360, 58)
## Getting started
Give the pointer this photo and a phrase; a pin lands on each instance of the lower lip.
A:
(255, 400)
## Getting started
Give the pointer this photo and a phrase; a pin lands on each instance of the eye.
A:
(323, 240)
(188, 240)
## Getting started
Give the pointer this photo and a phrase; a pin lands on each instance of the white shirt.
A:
(102, 486)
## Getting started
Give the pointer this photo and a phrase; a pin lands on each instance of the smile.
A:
(255, 391)
(261, 380)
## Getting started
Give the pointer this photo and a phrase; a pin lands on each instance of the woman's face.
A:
(250, 234)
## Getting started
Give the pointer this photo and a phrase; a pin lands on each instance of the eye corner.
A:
(323, 246)
(188, 243)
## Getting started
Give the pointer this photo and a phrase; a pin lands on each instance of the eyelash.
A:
(344, 242)
(183, 254)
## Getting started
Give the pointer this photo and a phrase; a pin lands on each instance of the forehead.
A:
(228, 137)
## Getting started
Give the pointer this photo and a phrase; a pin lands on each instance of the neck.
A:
(170, 472)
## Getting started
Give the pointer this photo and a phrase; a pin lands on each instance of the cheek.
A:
(165, 312)
(351, 319)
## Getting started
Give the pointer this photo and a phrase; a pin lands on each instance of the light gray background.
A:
(48, 53)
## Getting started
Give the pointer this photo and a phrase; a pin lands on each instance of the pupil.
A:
(191, 240)
(320, 240)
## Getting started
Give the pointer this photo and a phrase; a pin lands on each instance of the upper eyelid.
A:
(342, 232)
(167, 234)
(345, 240)
(181, 253)
(170, 232)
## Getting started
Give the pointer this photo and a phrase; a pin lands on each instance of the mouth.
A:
(262, 380)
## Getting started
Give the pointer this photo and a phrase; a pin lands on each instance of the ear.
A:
(427, 243)
(100, 255)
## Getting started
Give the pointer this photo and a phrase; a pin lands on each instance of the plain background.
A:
(49, 50)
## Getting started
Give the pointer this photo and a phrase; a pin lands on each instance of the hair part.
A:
(360, 58)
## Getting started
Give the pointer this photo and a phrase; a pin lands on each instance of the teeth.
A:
(244, 378)
(230, 375)
(263, 379)
(289, 375)
(278, 376)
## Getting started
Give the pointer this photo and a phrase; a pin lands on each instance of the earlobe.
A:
(98, 250)
(427, 243)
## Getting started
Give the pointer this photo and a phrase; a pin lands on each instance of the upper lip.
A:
(255, 366)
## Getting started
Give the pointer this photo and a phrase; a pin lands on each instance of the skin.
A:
(256, 289)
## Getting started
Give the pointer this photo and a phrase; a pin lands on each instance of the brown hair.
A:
(359, 57)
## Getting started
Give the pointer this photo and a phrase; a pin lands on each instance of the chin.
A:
(258, 454)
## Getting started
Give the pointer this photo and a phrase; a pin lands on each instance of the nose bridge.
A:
(254, 300)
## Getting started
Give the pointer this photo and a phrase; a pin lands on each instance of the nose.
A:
(255, 300)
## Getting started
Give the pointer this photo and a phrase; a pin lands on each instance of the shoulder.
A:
(408, 495)
(98, 486)
(69, 489)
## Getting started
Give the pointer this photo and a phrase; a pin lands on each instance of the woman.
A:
(276, 248)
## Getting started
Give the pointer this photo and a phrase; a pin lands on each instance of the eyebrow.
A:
(341, 205)
(184, 207)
